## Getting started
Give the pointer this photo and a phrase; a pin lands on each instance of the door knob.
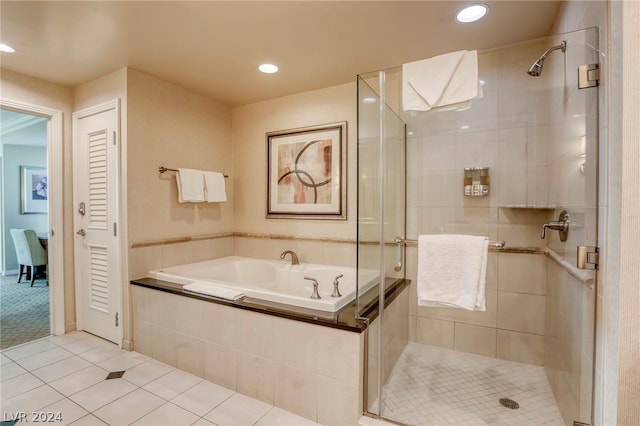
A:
(81, 232)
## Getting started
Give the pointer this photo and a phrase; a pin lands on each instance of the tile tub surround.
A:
(311, 370)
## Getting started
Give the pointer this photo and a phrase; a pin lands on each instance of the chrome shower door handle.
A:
(400, 243)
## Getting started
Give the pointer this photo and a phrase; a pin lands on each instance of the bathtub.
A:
(274, 281)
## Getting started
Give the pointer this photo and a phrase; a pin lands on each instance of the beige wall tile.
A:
(521, 312)
(220, 365)
(475, 339)
(341, 360)
(255, 334)
(486, 318)
(338, 403)
(142, 337)
(522, 273)
(296, 391)
(190, 353)
(435, 332)
(164, 345)
(256, 377)
(142, 260)
(295, 344)
(521, 347)
(220, 325)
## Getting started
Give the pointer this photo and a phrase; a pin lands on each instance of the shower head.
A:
(536, 68)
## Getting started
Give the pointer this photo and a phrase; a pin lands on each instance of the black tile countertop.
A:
(344, 319)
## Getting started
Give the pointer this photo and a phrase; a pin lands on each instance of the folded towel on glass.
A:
(452, 271)
(190, 186)
(445, 80)
(213, 290)
(215, 187)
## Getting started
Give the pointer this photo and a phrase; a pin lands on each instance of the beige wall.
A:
(172, 126)
(22, 88)
(251, 122)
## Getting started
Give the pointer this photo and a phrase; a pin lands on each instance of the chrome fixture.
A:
(536, 68)
(336, 290)
(315, 294)
(561, 225)
(401, 242)
(294, 257)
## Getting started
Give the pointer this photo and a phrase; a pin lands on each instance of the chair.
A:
(29, 252)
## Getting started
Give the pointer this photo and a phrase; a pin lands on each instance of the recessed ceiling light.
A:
(268, 68)
(6, 48)
(369, 100)
(472, 13)
(482, 82)
(464, 127)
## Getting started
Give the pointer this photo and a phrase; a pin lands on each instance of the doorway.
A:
(30, 157)
(25, 304)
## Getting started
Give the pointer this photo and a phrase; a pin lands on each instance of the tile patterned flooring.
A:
(67, 375)
(436, 386)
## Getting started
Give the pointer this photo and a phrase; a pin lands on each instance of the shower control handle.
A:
(336, 290)
(561, 225)
(315, 294)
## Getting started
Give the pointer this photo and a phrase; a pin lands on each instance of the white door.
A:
(95, 196)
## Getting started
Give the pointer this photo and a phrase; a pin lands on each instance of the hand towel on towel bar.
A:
(215, 187)
(190, 186)
(446, 79)
(452, 271)
(213, 290)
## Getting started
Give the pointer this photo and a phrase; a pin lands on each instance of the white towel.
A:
(452, 271)
(215, 187)
(213, 290)
(190, 186)
(446, 79)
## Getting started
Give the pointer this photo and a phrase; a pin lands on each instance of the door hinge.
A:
(117, 319)
(577, 423)
(588, 76)
(114, 137)
(588, 257)
(115, 229)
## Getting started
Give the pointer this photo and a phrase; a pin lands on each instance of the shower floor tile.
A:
(436, 386)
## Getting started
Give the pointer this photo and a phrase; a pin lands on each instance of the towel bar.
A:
(404, 242)
(163, 169)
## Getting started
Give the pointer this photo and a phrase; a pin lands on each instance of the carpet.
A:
(24, 311)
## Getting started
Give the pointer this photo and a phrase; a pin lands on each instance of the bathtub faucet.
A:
(294, 257)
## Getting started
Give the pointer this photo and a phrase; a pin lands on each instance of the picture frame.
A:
(34, 190)
(307, 172)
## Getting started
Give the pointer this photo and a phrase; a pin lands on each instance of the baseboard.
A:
(11, 272)
(69, 327)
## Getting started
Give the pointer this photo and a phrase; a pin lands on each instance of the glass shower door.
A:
(538, 135)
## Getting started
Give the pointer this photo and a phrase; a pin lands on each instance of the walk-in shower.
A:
(535, 70)
(527, 359)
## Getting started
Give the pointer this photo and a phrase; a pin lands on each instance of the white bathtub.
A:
(275, 281)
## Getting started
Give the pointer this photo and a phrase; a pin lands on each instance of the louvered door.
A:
(97, 265)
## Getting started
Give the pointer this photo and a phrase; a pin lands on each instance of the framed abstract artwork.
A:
(307, 172)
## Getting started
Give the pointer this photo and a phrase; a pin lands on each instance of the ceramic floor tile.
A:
(432, 386)
(172, 384)
(61, 413)
(79, 380)
(167, 414)
(102, 393)
(202, 398)
(67, 338)
(279, 417)
(129, 408)
(147, 372)
(60, 369)
(41, 359)
(29, 349)
(102, 353)
(4, 360)
(10, 370)
(87, 344)
(19, 384)
(32, 400)
(89, 420)
(203, 422)
(124, 361)
(238, 410)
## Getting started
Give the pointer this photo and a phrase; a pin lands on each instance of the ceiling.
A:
(214, 47)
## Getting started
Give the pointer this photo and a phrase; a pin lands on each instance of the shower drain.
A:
(509, 403)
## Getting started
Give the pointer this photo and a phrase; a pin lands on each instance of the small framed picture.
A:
(307, 172)
(34, 190)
